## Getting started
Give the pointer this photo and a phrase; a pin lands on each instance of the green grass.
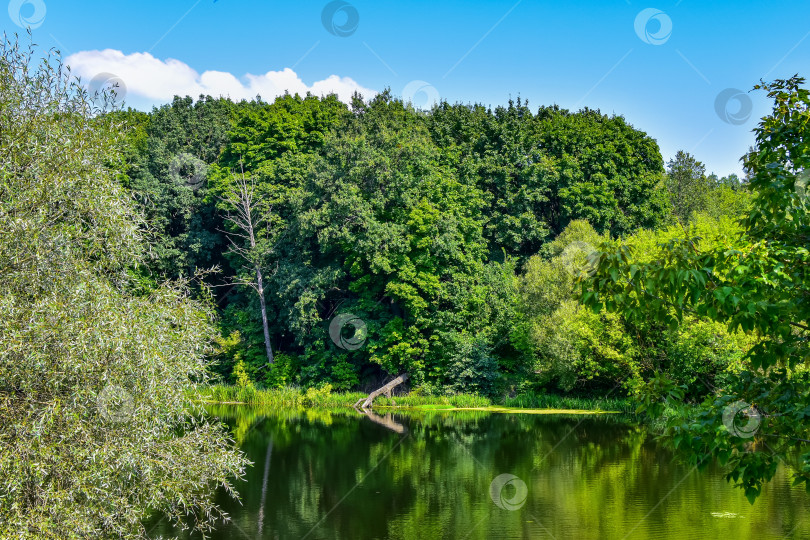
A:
(296, 398)
(456, 401)
(278, 397)
(554, 401)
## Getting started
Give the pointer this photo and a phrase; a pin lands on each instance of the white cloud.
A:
(151, 80)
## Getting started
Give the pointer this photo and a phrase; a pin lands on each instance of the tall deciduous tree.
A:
(759, 282)
(96, 431)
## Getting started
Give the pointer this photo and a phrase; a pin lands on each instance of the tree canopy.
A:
(96, 430)
(415, 222)
(756, 280)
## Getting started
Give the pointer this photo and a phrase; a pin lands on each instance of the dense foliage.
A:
(455, 239)
(755, 279)
(417, 223)
(501, 252)
(95, 431)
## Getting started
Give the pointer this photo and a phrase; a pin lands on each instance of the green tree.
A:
(687, 185)
(758, 281)
(168, 157)
(95, 430)
(539, 171)
(574, 349)
(275, 145)
(579, 350)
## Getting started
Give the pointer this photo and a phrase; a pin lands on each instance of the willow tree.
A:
(95, 430)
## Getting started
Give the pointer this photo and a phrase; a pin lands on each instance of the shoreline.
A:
(424, 408)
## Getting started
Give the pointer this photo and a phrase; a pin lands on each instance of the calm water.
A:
(346, 476)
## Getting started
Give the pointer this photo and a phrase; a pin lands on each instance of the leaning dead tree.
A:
(249, 216)
(367, 401)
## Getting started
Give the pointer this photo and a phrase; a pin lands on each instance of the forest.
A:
(489, 251)
(455, 235)
(306, 243)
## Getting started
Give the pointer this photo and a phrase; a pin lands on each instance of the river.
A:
(473, 474)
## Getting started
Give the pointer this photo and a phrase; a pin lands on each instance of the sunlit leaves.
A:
(756, 281)
(81, 334)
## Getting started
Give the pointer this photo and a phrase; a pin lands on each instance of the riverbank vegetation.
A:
(453, 238)
(305, 251)
(297, 398)
(94, 430)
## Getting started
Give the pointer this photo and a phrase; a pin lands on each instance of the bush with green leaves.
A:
(95, 429)
(756, 281)
(573, 348)
(471, 368)
(285, 371)
(598, 352)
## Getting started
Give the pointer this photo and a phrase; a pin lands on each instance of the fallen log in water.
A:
(386, 389)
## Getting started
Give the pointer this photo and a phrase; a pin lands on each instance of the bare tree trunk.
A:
(268, 348)
(382, 390)
(248, 216)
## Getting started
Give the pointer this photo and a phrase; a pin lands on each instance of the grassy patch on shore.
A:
(290, 397)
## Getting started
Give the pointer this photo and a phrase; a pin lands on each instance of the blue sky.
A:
(663, 73)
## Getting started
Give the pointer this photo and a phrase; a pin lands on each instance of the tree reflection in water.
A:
(428, 474)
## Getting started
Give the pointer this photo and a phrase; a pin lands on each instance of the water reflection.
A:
(345, 475)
